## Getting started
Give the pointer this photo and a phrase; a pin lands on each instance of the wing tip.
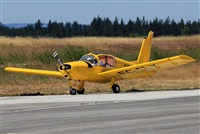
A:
(8, 68)
(188, 58)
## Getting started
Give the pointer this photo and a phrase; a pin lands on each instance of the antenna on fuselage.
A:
(55, 55)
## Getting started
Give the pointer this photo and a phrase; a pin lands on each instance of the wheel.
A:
(116, 88)
(73, 91)
(81, 91)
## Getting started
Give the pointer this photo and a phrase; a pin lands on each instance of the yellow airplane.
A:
(104, 68)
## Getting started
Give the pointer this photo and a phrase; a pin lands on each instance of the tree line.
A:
(104, 27)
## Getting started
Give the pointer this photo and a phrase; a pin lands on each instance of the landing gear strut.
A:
(113, 86)
(80, 88)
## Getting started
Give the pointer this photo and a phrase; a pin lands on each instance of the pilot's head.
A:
(95, 60)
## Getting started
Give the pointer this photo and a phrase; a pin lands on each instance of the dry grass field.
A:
(36, 53)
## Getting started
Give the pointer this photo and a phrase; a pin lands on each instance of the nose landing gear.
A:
(80, 89)
(72, 91)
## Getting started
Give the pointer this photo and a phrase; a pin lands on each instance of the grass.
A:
(37, 53)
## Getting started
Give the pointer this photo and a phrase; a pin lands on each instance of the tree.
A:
(166, 27)
(68, 29)
(115, 27)
(29, 30)
(75, 29)
(50, 29)
(155, 26)
(38, 28)
(185, 31)
(122, 28)
(60, 30)
(195, 27)
(129, 28)
(96, 26)
(173, 28)
(107, 27)
(138, 26)
(180, 26)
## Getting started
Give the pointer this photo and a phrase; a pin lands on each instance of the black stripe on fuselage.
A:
(89, 64)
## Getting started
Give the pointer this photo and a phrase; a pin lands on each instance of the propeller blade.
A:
(55, 55)
(62, 66)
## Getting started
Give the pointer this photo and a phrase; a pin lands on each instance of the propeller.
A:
(55, 55)
(62, 66)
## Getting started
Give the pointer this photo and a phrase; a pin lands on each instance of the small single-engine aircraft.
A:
(104, 68)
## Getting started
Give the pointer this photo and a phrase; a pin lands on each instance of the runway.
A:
(147, 112)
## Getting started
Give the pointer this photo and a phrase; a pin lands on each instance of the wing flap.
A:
(33, 71)
(150, 66)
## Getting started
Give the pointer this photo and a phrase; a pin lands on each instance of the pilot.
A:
(95, 62)
(101, 63)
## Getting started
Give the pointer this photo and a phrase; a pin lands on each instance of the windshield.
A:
(89, 58)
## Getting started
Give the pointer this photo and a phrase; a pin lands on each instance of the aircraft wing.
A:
(142, 69)
(34, 71)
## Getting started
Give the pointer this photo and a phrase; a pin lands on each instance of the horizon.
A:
(119, 19)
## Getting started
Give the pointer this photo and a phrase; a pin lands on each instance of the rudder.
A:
(145, 50)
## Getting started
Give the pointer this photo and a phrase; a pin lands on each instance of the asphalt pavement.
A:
(148, 112)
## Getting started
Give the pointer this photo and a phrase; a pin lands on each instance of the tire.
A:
(116, 88)
(81, 91)
(73, 91)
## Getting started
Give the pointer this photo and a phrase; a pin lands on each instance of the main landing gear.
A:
(80, 89)
(114, 87)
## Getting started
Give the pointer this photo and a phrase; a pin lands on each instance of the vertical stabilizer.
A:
(145, 50)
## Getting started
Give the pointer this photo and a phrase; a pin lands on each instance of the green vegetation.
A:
(159, 54)
(69, 53)
(39, 56)
(73, 53)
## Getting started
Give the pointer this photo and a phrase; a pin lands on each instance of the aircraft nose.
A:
(76, 70)
(80, 64)
(76, 64)
(65, 67)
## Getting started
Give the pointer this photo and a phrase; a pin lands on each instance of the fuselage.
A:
(87, 68)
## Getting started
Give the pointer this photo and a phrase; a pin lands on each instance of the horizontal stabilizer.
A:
(34, 71)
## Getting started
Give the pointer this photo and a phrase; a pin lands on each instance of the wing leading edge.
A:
(149, 66)
(34, 71)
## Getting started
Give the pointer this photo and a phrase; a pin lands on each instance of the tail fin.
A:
(145, 49)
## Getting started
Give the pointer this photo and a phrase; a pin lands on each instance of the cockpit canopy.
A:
(89, 58)
(100, 59)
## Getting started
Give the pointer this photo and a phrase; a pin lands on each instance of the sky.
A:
(83, 11)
